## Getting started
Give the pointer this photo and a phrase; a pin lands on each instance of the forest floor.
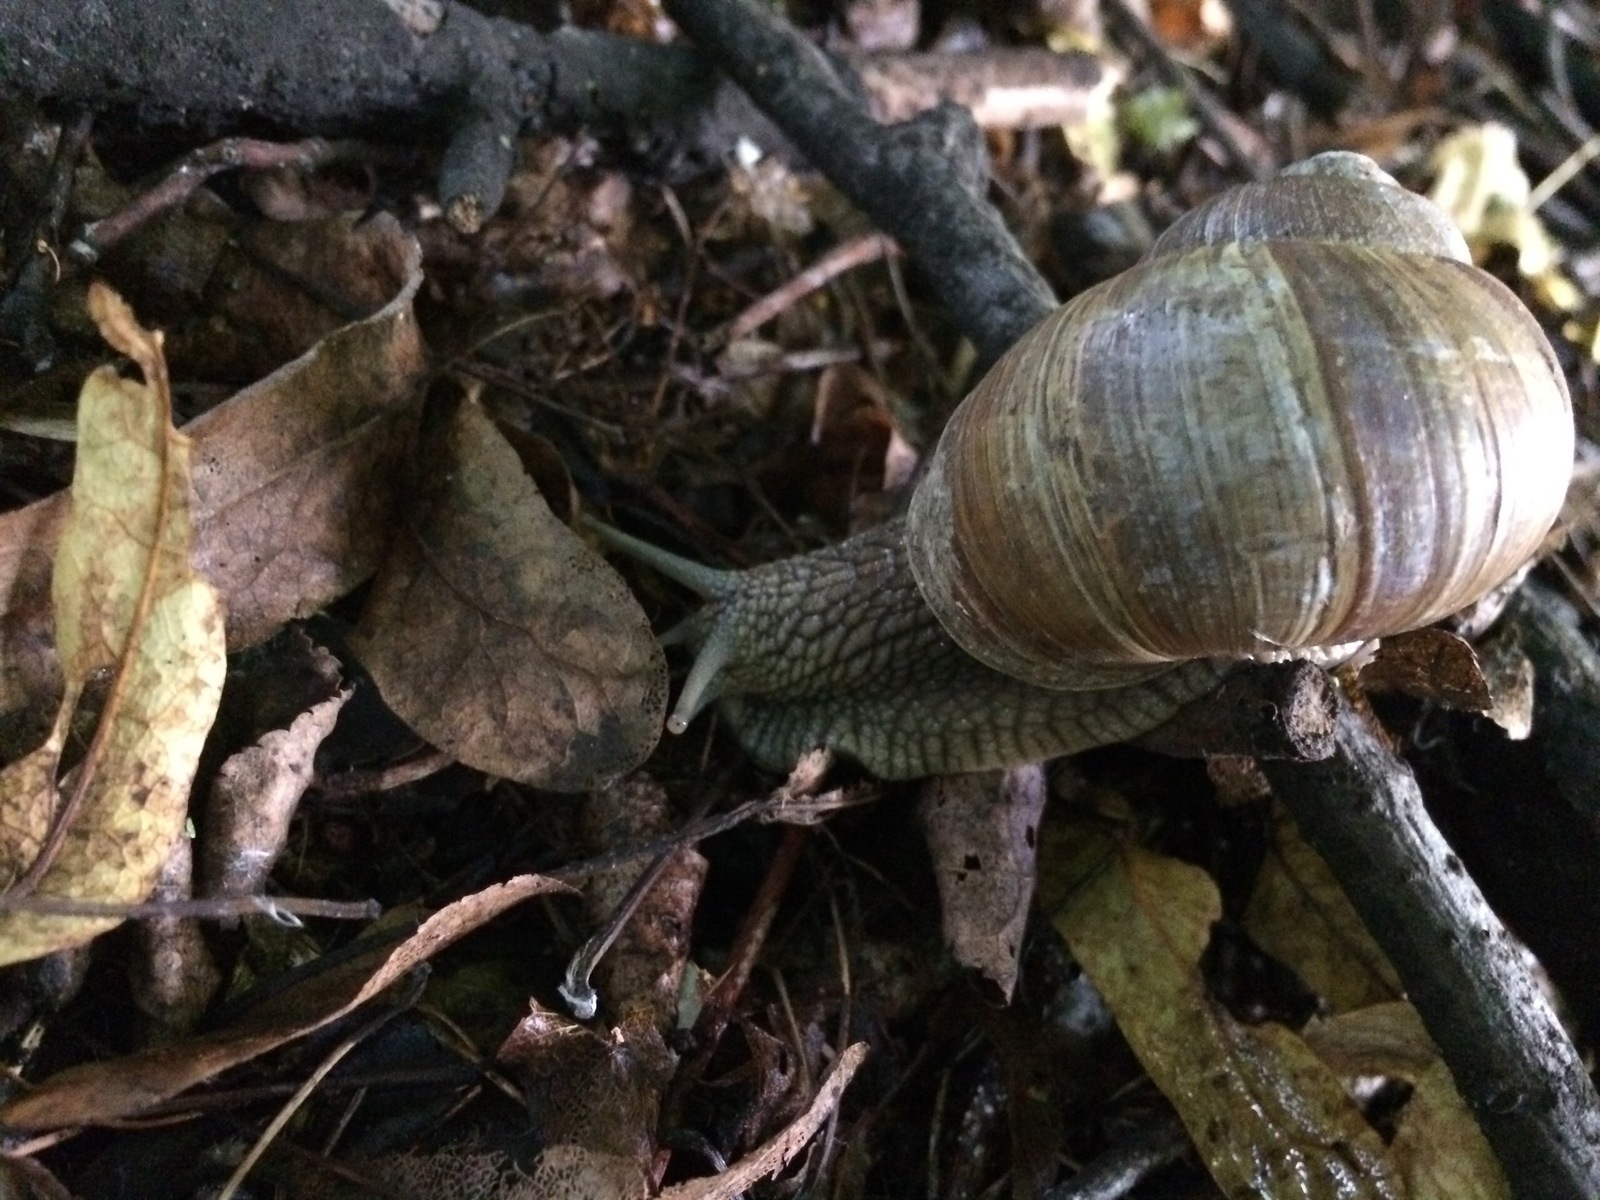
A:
(337, 764)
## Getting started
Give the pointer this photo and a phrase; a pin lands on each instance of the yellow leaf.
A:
(1298, 913)
(1437, 1148)
(126, 602)
(1267, 1115)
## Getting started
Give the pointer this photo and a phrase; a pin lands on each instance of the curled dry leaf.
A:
(256, 791)
(1511, 678)
(126, 601)
(294, 481)
(498, 635)
(1431, 664)
(113, 1089)
(983, 834)
(174, 977)
(1268, 1117)
(776, 1153)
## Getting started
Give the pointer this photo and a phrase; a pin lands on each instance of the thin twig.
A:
(286, 910)
(858, 252)
(194, 169)
(920, 181)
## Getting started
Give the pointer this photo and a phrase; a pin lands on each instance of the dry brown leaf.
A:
(1431, 664)
(280, 288)
(256, 790)
(113, 1089)
(595, 1150)
(25, 1179)
(498, 635)
(126, 601)
(294, 481)
(1300, 915)
(298, 476)
(1508, 671)
(594, 1099)
(1268, 1117)
(983, 834)
(484, 1171)
(30, 672)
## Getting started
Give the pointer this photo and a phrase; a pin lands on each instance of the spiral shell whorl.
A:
(1244, 447)
(1337, 197)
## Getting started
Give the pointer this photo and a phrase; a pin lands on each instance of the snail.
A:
(1303, 421)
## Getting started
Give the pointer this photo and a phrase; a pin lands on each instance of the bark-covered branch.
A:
(444, 72)
(921, 181)
(336, 67)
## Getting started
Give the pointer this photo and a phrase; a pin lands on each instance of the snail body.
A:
(1303, 420)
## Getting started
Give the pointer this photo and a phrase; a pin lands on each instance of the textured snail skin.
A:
(1305, 419)
(837, 648)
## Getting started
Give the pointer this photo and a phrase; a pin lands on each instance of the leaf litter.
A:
(654, 424)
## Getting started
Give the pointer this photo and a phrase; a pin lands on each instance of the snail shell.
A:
(1305, 419)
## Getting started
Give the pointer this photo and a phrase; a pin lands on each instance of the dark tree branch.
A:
(1512, 1061)
(1263, 710)
(349, 67)
(340, 68)
(920, 181)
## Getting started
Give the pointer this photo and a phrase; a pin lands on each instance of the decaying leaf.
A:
(297, 476)
(1300, 915)
(1439, 1149)
(982, 832)
(294, 481)
(280, 288)
(126, 601)
(643, 969)
(112, 1089)
(498, 635)
(30, 672)
(595, 1100)
(174, 977)
(1268, 1117)
(1509, 672)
